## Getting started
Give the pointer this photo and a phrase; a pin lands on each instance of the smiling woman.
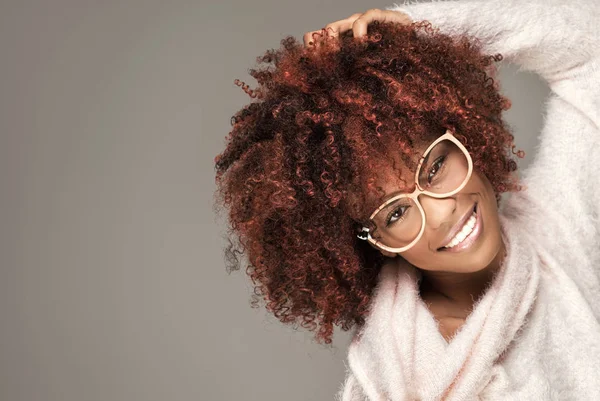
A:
(364, 186)
(424, 235)
(312, 153)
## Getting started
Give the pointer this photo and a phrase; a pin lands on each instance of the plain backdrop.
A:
(112, 277)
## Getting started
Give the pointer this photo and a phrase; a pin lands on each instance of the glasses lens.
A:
(398, 223)
(444, 169)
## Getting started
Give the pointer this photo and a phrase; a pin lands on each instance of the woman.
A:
(364, 189)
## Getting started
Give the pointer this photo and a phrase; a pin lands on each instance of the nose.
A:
(437, 210)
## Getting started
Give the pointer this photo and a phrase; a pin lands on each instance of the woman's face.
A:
(443, 217)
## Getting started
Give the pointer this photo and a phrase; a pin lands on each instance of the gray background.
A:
(112, 279)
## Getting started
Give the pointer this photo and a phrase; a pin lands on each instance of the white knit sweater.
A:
(535, 334)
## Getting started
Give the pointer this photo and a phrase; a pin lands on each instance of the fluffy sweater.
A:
(535, 332)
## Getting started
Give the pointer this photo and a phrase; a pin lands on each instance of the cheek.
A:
(423, 257)
(419, 255)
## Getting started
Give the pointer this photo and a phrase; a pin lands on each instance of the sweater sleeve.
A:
(549, 37)
(560, 41)
(350, 390)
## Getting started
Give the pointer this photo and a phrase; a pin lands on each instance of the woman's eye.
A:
(435, 168)
(396, 214)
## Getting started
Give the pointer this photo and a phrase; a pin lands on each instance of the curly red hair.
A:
(324, 118)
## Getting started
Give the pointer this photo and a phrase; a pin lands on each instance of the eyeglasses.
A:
(443, 170)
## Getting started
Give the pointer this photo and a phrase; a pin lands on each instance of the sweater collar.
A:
(399, 354)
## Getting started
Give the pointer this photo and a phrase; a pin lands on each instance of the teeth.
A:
(464, 231)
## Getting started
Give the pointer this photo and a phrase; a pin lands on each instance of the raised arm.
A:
(559, 40)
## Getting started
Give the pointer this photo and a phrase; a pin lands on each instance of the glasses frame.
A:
(365, 233)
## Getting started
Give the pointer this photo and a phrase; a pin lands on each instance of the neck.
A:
(462, 289)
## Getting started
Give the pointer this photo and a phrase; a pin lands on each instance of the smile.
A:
(467, 234)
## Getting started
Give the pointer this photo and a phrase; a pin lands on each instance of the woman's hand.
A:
(358, 23)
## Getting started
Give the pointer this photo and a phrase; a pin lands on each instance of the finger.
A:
(307, 38)
(311, 37)
(334, 29)
(346, 24)
(359, 27)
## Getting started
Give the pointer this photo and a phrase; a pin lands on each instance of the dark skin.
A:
(451, 281)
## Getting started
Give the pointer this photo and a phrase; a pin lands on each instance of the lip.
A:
(458, 226)
(471, 238)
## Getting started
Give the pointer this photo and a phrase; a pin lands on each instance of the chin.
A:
(480, 260)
